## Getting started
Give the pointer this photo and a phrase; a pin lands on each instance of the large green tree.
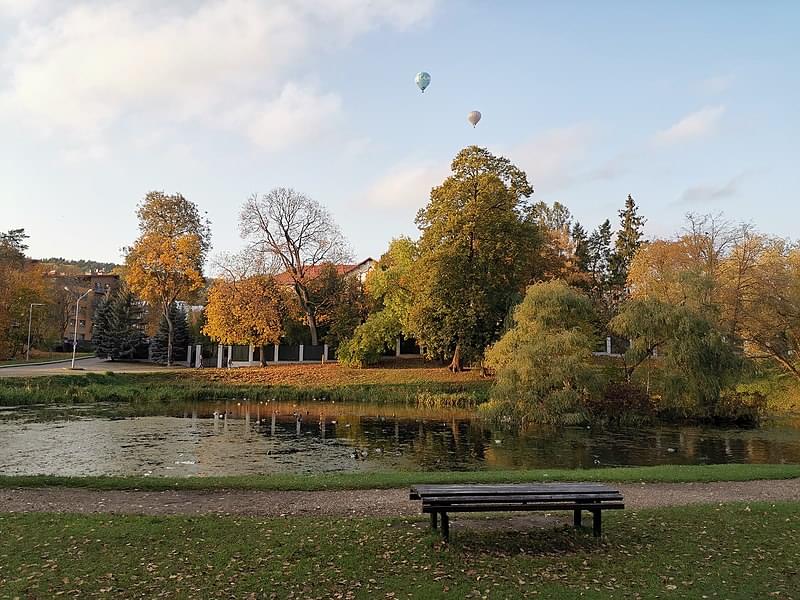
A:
(544, 361)
(476, 253)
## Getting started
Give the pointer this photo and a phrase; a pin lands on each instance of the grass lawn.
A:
(398, 479)
(282, 383)
(728, 551)
(44, 357)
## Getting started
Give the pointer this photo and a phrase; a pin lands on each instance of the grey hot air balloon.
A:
(474, 117)
(423, 80)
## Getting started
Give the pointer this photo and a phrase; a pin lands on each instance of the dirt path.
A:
(346, 502)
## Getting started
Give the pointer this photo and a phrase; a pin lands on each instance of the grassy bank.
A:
(378, 480)
(730, 551)
(281, 383)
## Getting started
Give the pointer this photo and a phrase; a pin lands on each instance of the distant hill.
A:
(78, 266)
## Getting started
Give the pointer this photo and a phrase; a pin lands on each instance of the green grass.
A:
(732, 551)
(180, 387)
(384, 480)
(38, 360)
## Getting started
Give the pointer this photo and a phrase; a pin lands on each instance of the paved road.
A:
(97, 365)
(348, 502)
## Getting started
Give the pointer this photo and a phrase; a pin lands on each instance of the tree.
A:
(390, 289)
(627, 243)
(299, 236)
(580, 242)
(476, 253)
(118, 326)
(543, 362)
(21, 283)
(165, 263)
(696, 361)
(599, 254)
(247, 310)
(175, 326)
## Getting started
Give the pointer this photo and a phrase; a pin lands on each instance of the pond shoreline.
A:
(398, 479)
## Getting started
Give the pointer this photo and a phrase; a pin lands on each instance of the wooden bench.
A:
(438, 500)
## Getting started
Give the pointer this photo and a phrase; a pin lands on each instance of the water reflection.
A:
(236, 438)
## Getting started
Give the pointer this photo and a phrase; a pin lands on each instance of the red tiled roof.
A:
(313, 272)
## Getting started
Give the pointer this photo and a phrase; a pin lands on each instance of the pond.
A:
(242, 438)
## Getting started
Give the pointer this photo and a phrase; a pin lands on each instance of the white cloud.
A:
(700, 194)
(695, 125)
(296, 115)
(551, 159)
(407, 186)
(85, 69)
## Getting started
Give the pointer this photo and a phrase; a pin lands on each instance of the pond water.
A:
(240, 438)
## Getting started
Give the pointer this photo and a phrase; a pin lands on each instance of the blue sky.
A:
(689, 106)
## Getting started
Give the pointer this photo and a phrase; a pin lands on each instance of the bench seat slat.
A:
(521, 498)
(500, 507)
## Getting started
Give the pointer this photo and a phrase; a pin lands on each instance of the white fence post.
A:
(220, 350)
(198, 356)
(300, 355)
(189, 356)
(325, 353)
(397, 347)
(608, 345)
(230, 356)
(250, 355)
(276, 353)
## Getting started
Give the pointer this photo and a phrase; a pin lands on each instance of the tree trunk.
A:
(312, 327)
(169, 338)
(456, 364)
(263, 356)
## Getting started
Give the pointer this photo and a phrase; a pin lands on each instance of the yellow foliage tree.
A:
(165, 263)
(246, 311)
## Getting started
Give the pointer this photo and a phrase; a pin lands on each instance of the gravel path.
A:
(346, 502)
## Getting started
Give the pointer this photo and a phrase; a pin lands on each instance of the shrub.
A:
(369, 340)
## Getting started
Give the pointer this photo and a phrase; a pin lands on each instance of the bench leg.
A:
(434, 520)
(445, 527)
(576, 519)
(596, 523)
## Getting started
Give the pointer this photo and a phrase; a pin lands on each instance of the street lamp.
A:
(75, 335)
(30, 318)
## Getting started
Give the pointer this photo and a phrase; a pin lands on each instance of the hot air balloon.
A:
(474, 117)
(423, 80)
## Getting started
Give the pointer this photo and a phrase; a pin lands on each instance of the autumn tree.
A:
(298, 235)
(247, 310)
(21, 283)
(165, 263)
(477, 248)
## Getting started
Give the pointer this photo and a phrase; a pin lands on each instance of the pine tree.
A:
(599, 254)
(629, 240)
(101, 329)
(180, 336)
(118, 326)
(581, 245)
(126, 321)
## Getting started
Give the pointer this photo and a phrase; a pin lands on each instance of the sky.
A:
(688, 106)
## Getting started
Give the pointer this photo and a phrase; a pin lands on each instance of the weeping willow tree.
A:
(694, 362)
(543, 362)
